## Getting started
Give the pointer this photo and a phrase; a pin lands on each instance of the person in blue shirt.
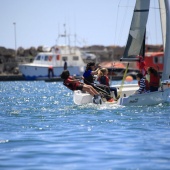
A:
(89, 73)
(88, 78)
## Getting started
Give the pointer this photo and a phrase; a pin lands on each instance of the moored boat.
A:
(51, 63)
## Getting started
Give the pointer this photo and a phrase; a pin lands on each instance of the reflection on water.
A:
(41, 128)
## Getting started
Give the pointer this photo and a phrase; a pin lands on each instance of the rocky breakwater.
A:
(10, 59)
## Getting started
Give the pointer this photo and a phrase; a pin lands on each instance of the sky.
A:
(94, 22)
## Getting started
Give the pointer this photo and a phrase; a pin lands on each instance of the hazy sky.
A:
(95, 22)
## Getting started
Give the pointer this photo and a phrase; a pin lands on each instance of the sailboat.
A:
(136, 47)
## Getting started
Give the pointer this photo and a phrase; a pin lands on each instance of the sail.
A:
(162, 11)
(135, 41)
(166, 67)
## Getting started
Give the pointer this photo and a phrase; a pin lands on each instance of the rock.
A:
(20, 51)
(33, 51)
(2, 51)
(40, 49)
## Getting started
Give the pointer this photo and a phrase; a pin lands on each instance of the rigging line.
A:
(114, 44)
(123, 80)
(114, 40)
(123, 22)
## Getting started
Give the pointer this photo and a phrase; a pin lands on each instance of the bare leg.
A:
(90, 89)
(94, 90)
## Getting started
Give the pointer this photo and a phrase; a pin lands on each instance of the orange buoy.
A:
(129, 78)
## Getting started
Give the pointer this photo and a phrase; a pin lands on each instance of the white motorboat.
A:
(135, 47)
(51, 64)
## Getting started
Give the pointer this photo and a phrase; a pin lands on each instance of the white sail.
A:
(162, 11)
(137, 30)
(166, 68)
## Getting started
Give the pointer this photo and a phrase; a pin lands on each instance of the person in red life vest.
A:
(153, 79)
(74, 84)
(143, 84)
(104, 80)
(142, 66)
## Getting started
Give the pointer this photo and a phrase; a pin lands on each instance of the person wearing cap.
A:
(90, 72)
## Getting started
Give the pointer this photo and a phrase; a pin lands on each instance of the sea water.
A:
(42, 129)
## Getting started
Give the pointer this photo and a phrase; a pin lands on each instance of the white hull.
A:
(152, 98)
(55, 61)
(127, 90)
(31, 71)
(80, 98)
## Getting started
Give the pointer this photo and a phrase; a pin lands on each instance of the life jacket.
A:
(103, 80)
(154, 80)
(71, 86)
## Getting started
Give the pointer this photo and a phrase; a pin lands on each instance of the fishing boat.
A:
(136, 47)
(51, 63)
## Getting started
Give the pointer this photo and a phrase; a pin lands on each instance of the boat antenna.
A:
(65, 33)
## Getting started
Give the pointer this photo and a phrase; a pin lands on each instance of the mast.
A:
(142, 51)
(162, 11)
(166, 68)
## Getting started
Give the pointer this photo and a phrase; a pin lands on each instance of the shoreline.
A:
(19, 77)
(11, 77)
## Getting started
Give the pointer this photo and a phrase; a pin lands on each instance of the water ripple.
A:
(41, 128)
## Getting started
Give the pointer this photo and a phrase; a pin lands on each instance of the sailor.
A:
(154, 79)
(143, 84)
(104, 80)
(90, 72)
(74, 84)
(142, 65)
(88, 77)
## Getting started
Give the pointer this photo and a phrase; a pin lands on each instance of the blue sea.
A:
(42, 129)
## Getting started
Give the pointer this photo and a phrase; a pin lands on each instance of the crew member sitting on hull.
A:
(74, 84)
(104, 80)
(143, 84)
(88, 77)
(153, 79)
(89, 73)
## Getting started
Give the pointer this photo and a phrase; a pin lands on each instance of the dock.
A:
(11, 77)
